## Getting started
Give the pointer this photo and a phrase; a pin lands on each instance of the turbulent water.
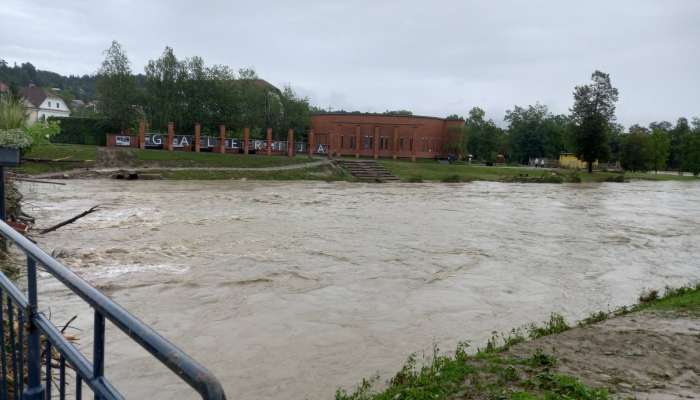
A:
(290, 290)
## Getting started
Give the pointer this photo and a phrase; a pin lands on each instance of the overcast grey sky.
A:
(431, 57)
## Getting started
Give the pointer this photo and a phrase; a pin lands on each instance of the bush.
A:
(79, 130)
(14, 138)
(575, 178)
(452, 179)
(616, 178)
(12, 114)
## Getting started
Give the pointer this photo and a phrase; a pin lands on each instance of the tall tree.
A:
(164, 84)
(593, 112)
(635, 152)
(659, 148)
(484, 139)
(116, 88)
(678, 139)
(535, 132)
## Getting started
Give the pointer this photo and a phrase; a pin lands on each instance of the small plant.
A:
(15, 139)
(452, 179)
(615, 178)
(556, 324)
(540, 359)
(649, 296)
(575, 177)
(594, 318)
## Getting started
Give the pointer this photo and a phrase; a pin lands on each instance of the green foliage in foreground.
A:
(485, 375)
(490, 374)
(684, 299)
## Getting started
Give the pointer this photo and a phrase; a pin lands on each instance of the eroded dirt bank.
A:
(644, 355)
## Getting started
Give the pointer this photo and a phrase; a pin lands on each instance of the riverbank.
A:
(48, 159)
(651, 350)
(429, 170)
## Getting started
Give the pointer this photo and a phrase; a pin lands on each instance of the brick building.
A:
(380, 135)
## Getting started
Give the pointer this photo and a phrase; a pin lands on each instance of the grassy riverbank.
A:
(47, 158)
(514, 366)
(430, 170)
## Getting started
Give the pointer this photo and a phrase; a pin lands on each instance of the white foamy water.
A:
(290, 290)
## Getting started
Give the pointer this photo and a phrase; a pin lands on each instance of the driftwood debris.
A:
(70, 220)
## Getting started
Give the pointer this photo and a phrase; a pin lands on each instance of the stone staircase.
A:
(367, 171)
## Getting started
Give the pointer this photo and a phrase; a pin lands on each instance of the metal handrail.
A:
(189, 370)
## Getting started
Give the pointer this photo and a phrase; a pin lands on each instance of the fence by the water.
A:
(37, 362)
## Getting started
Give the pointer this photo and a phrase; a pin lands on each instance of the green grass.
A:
(684, 299)
(482, 376)
(319, 173)
(192, 159)
(491, 374)
(50, 157)
(428, 170)
(52, 151)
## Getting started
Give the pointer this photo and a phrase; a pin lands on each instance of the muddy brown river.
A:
(291, 290)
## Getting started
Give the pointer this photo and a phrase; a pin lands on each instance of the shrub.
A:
(15, 138)
(616, 178)
(452, 179)
(12, 113)
(79, 130)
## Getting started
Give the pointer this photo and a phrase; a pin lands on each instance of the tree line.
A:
(187, 91)
(590, 131)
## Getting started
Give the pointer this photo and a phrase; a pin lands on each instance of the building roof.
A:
(369, 114)
(34, 95)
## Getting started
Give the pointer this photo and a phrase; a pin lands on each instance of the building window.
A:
(342, 141)
(58, 105)
(402, 143)
(384, 143)
(49, 104)
(368, 144)
(352, 142)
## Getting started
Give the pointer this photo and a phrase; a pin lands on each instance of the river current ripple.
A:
(289, 290)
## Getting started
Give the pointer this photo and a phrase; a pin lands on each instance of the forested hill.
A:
(72, 87)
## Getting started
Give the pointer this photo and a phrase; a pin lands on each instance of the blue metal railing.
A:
(24, 327)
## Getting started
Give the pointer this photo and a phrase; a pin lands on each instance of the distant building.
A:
(4, 88)
(381, 135)
(42, 104)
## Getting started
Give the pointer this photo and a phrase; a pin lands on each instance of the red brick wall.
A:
(430, 133)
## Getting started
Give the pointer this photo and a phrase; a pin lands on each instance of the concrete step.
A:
(367, 170)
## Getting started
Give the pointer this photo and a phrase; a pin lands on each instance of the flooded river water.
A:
(290, 290)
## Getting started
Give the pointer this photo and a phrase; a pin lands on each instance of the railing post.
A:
(35, 390)
(98, 349)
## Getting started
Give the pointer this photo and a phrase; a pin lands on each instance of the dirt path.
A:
(108, 171)
(646, 355)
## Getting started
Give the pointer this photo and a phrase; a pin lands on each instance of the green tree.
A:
(691, 149)
(116, 88)
(534, 132)
(635, 152)
(165, 100)
(678, 135)
(484, 140)
(659, 148)
(592, 113)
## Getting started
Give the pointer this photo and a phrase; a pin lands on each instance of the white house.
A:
(42, 104)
